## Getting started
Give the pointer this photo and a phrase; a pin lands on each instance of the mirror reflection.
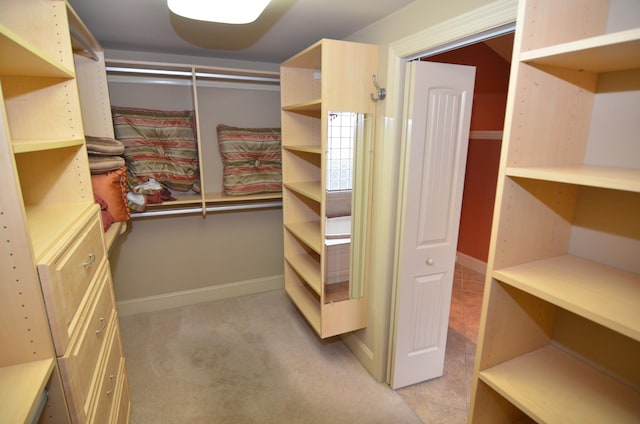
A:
(345, 138)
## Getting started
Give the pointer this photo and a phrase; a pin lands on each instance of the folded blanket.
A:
(104, 164)
(104, 146)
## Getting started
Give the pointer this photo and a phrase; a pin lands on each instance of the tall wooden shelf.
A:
(560, 322)
(46, 200)
(328, 76)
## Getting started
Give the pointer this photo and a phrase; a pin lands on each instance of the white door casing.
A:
(436, 136)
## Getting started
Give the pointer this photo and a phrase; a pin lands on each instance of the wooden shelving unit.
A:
(45, 202)
(560, 323)
(33, 79)
(329, 76)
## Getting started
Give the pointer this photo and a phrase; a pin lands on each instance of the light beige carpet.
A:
(250, 359)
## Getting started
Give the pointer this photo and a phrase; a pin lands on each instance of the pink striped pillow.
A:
(251, 159)
(160, 145)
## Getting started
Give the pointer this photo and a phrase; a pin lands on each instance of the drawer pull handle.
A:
(92, 258)
(104, 324)
(113, 384)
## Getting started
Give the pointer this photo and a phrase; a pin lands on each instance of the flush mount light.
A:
(223, 11)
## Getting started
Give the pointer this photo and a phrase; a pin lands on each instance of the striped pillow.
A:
(251, 159)
(160, 145)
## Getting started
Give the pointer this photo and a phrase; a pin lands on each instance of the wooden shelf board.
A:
(307, 149)
(602, 294)
(219, 197)
(311, 190)
(309, 58)
(26, 146)
(183, 199)
(311, 108)
(306, 303)
(48, 223)
(18, 57)
(343, 316)
(627, 179)
(222, 198)
(308, 269)
(605, 53)
(21, 387)
(308, 232)
(113, 232)
(551, 386)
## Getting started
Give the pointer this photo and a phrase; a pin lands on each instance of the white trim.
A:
(486, 135)
(476, 25)
(472, 263)
(360, 350)
(201, 295)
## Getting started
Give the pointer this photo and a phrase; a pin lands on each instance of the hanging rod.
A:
(215, 208)
(168, 72)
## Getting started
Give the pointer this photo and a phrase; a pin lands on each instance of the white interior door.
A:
(436, 137)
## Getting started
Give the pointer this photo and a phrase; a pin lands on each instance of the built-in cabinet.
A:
(61, 358)
(329, 80)
(560, 330)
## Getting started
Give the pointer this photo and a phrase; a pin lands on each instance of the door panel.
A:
(438, 111)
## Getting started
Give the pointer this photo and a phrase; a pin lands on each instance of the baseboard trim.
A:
(201, 295)
(472, 263)
(361, 351)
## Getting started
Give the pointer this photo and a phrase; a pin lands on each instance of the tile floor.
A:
(445, 400)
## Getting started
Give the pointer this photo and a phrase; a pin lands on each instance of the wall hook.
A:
(382, 93)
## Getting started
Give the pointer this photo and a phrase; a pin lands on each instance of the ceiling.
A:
(285, 28)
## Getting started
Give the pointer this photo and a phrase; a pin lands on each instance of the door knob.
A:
(430, 261)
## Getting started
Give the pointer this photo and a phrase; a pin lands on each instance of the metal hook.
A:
(382, 93)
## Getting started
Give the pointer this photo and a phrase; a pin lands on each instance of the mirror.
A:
(347, 191)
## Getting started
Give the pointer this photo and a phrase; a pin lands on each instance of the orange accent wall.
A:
(478, 198)
(489, 102)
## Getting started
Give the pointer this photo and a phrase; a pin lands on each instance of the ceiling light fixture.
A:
(228, 12)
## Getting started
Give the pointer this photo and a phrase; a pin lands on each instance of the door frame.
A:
(495, 19)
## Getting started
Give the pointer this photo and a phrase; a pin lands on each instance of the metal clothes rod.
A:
(215, 208)
(169, 72)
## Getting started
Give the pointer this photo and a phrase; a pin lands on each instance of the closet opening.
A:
(492, 59)
(490, 52)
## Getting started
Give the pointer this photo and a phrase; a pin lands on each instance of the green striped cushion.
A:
(160, 145)
(251, 160)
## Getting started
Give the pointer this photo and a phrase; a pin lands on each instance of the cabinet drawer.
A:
(66, 274)
(110, 384)
(122, 402)
(88, 349)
